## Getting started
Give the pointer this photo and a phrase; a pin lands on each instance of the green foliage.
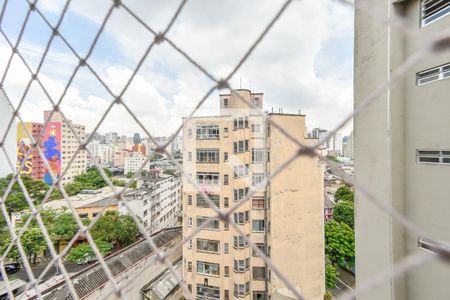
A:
(331, 275)
(343, 193)
(64, 226)
(83, 252)
(328, 296)
(344, 211)
(333, 158)
(170, 172)
(115, 228)
(32, 241)
(130, 174)
(118, 182)
(339, 243)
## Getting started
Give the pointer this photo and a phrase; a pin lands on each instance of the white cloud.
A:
(216, 34)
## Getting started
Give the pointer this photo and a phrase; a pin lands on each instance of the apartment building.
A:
(227, 155)
(157, 201)
(132, 163)
(402, 145)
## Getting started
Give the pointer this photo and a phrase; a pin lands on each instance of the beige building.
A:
(402, 146)
(69, 146)
(227, 155)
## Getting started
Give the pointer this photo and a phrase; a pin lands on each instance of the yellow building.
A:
(227, 155)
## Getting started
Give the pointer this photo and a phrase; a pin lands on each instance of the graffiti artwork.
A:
(52, 151)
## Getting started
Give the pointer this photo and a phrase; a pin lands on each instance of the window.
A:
(190, 287)
(225, 132)
(82, 216)
(208, 268)
(208, 132)
(226, 225)
(208, 156)
(240, 146)
(240, 241)
(240, 193)
(438, 73)
(259, 273)
(208, 245)
(241, 265)
(225, 156)
(433, 10)
(433, 156)
(225, 179)
(225, 202)
(256, 128)
(190, 133)
(261, 247)
(202, 202)
(189, 222)
(207, 292)
(256, 102)
(241, 122)
(190, 244)
(258, 203)
(189, 266)
(212, 225)
(189, 156)
(257, 155)
(226, 271)
(240, 171)
(257, 178)
(189, 200)
(258, 225)
(241, 217)
(207, 178)
(226, 295)
(241, 289)
(225, 103)
(259, 295)
(225, 248)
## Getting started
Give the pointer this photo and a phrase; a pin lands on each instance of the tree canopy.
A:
(343, 193)
(344, 212)
(84, 253)
(115, 228)
(339, 243)
(331, 275)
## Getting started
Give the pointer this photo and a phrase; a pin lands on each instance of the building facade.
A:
(133, 163)
(227, 155)
(401, 145)
(157, 201)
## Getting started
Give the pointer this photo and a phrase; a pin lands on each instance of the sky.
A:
(305, 62)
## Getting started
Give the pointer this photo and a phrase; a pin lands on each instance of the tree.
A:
(83, 252)
(339, 243)
(343, 193)
(333, 158)
(118, 182)
(114, 228)
(33, 241)
(130, 174)
(328, 296)
(330, 276)
(64, 227)
(344, 212)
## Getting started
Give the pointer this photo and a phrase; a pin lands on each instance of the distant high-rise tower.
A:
(136, 138)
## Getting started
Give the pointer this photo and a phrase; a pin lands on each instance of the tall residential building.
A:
(133, 163)
(9, 141)
(402, 145)
(347, 146)
(60, 146)
(227, 155)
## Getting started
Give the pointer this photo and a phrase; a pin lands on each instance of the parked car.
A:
(12, 268)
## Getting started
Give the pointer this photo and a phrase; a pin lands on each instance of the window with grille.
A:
(241, 122)
(241, 289)
(208, 178)
(207, 132)
(258, 225)
(212, 225)
(225, 248)
(241, 265)
(225, 202)
(225, 179)
(433, 10)
(257, 178)
(226, 271)
(202, 202)
(208, 245)
(240, 241)
(189, 266)
(208, 156)
(189, 200)
(208, 268)
(241, 217)
(225, 103)
(437, 73)
(434, 156)
(240, 193)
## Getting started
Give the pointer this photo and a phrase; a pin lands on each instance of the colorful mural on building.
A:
(52, 150)
(24, 155)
